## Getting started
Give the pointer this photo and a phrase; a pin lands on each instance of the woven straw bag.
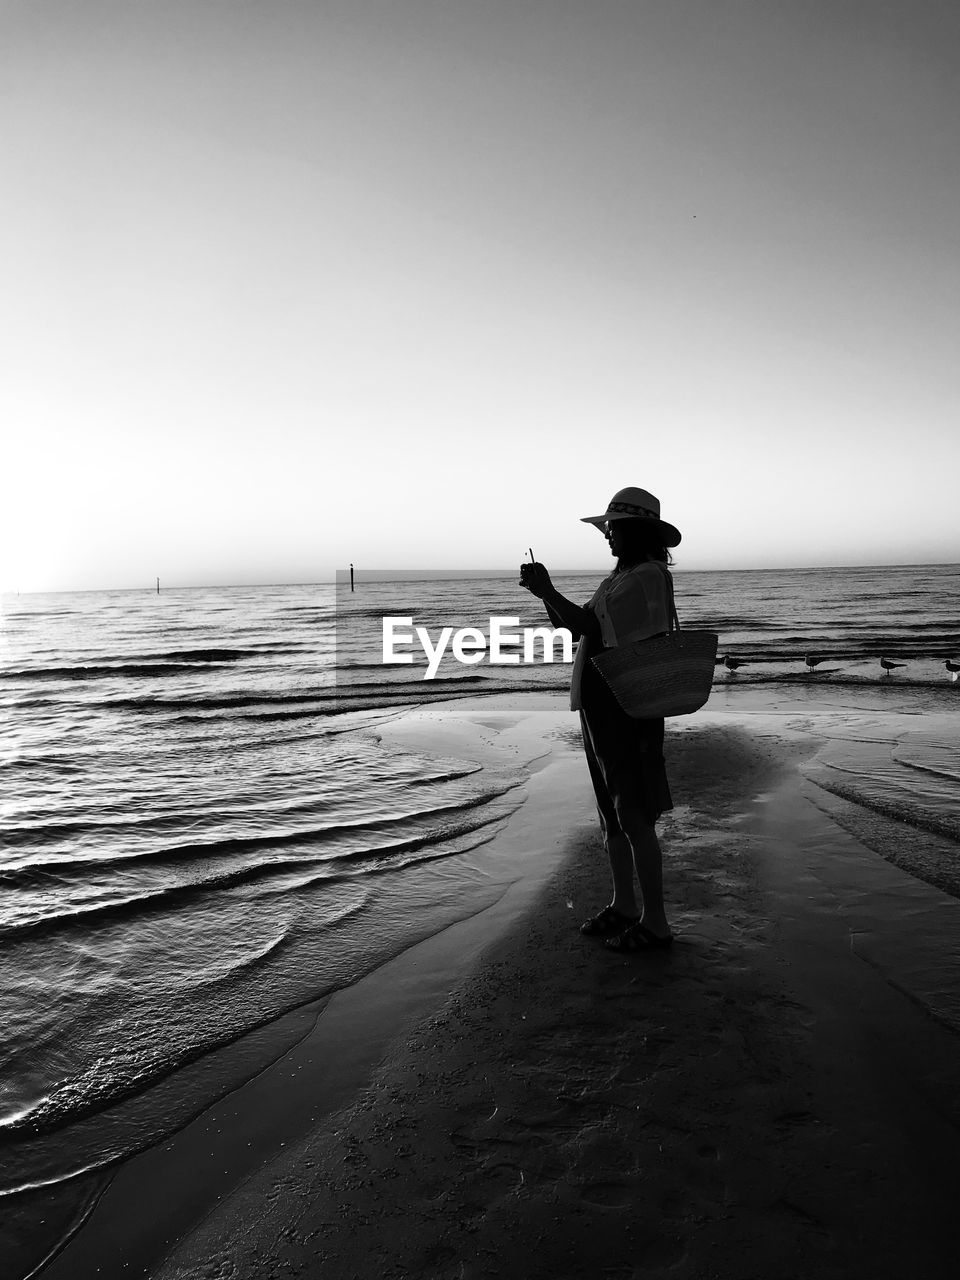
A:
(667, 675)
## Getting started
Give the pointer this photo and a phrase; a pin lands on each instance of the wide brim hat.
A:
(636, 504)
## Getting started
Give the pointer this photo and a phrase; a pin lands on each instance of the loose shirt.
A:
(630, 604)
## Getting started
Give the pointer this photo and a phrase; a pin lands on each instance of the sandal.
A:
(606, 922)
(639, 938)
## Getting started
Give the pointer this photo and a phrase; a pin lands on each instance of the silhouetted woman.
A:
(624, 755)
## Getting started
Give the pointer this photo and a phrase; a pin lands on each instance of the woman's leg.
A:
(621, 857)
(647, 860)
(618, 848)
(631, 841)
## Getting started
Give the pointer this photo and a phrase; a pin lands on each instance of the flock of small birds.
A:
(812, 661)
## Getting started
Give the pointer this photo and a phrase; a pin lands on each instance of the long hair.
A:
(641, 541)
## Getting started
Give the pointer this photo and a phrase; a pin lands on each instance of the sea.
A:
(201, 831)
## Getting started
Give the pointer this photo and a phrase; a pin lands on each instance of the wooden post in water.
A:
(351, 577)
(158, 586)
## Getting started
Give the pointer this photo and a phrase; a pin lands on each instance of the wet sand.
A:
(773, 1096)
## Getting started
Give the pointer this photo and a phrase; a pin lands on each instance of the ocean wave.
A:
(402, 676)
(36, 873)
(398, 856)
(228, 970)
(130, 664)
(898, 806)
(446, 775)
(792, 649)
(113, 1079)
(324, 708)
(42, 832)
(952, 775)
(123, 671)
(742, 678)
(307, 613)
(342, 699)
(216, 702)
(160, 898)
(881, 599)
(48, 764)
(729, 622)
(371, 666)
(34, 837)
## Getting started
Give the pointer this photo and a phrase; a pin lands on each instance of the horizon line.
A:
(399, 575)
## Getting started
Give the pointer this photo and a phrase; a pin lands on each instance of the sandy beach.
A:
(774, 1096)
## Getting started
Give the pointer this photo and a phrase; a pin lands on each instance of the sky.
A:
(418, 283)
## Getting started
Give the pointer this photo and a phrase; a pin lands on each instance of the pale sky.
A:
(417, 283)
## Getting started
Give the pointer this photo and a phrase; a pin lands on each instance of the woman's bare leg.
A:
(621, 858)
(647, 860)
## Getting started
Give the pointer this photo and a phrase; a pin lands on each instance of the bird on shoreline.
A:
(888, 665)
(953, 668)
(811, 661)
(732, 663)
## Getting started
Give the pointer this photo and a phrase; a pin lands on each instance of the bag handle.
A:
(674, 623)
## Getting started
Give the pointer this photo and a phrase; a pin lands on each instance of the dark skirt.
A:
(625, 758)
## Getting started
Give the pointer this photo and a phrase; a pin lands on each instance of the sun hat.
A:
(636, 504)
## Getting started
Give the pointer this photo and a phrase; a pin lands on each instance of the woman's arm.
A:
(556, 619)
(564, 613)
(561, 611)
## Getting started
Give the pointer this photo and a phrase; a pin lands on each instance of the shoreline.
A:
(344, 1033)
(525, 1126)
